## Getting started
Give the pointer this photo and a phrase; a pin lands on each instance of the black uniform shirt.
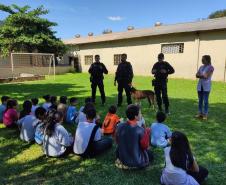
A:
(97, 69)
(124, 72)
(158, 66)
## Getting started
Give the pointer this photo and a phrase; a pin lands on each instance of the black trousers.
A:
(121, 86)
(199, 176)
(161, 95)
(100, 85)
(98, 147)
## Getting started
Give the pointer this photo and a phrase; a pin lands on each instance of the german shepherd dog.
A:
(137, 95)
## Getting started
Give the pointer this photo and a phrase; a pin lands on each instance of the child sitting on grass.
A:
(72, 111)
(4, 100)
(10, 116)
(47, 103)
(53, 101)
(160, 133)
(180, 164)
(110, 122)
(87, 100)
(35, 105)
(62, 106)
(57, 141)
(132, 142)
(88, 140)
(40, 114)
(81, 115)
(27, 123)
(27, 105)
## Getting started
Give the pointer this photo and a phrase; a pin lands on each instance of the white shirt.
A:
(28, 125)
(205, 83)
(82, 136)
(33, 109)
(46, 106)
(55, 145)
(172, 175)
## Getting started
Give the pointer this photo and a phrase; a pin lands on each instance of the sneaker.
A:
(199, 116)
(204, 117)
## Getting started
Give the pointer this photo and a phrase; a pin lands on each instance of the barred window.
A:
(173, 48)
(88, 59)
(117, 59)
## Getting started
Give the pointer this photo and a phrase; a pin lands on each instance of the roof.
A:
(204, 25)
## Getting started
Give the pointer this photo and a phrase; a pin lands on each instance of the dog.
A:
(138, 95)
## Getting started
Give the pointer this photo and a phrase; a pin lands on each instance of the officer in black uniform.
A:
(161, 70)
(97, 69)
(124, 77)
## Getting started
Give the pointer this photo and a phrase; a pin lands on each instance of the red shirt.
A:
(10, 117)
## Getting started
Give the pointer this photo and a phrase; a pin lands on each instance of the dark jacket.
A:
(129, 150)
(158, 66)
(124, 72)
(97, 69)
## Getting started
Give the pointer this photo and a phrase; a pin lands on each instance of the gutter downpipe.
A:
(198, 47)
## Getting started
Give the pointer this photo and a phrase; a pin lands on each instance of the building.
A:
(183, 45)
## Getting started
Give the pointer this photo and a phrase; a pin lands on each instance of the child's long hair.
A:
(180, 152)
(52, 119)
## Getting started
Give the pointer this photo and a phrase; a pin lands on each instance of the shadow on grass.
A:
(24, 91)
(207, 139)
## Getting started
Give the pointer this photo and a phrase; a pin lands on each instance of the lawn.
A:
(22, 163)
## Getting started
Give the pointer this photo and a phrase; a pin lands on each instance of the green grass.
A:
(22, 163)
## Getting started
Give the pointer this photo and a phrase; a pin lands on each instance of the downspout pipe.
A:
(198, 48)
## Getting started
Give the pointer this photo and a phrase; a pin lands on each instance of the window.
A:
(173, 48)
(117, 59)
(88, 59)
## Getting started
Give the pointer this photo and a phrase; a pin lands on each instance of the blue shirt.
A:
(159, 134)
(2, 109)
(27, 127)
(71, 114)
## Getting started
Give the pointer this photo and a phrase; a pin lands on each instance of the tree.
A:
(218, 14)
(25, 31)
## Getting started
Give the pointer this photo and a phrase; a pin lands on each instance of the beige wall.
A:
(142, 53)
(214, 44)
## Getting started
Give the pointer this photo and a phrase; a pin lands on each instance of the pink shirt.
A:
(10, 117)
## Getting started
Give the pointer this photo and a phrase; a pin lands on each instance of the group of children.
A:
(43, 124)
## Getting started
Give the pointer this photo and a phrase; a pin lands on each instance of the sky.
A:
(84, 16)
